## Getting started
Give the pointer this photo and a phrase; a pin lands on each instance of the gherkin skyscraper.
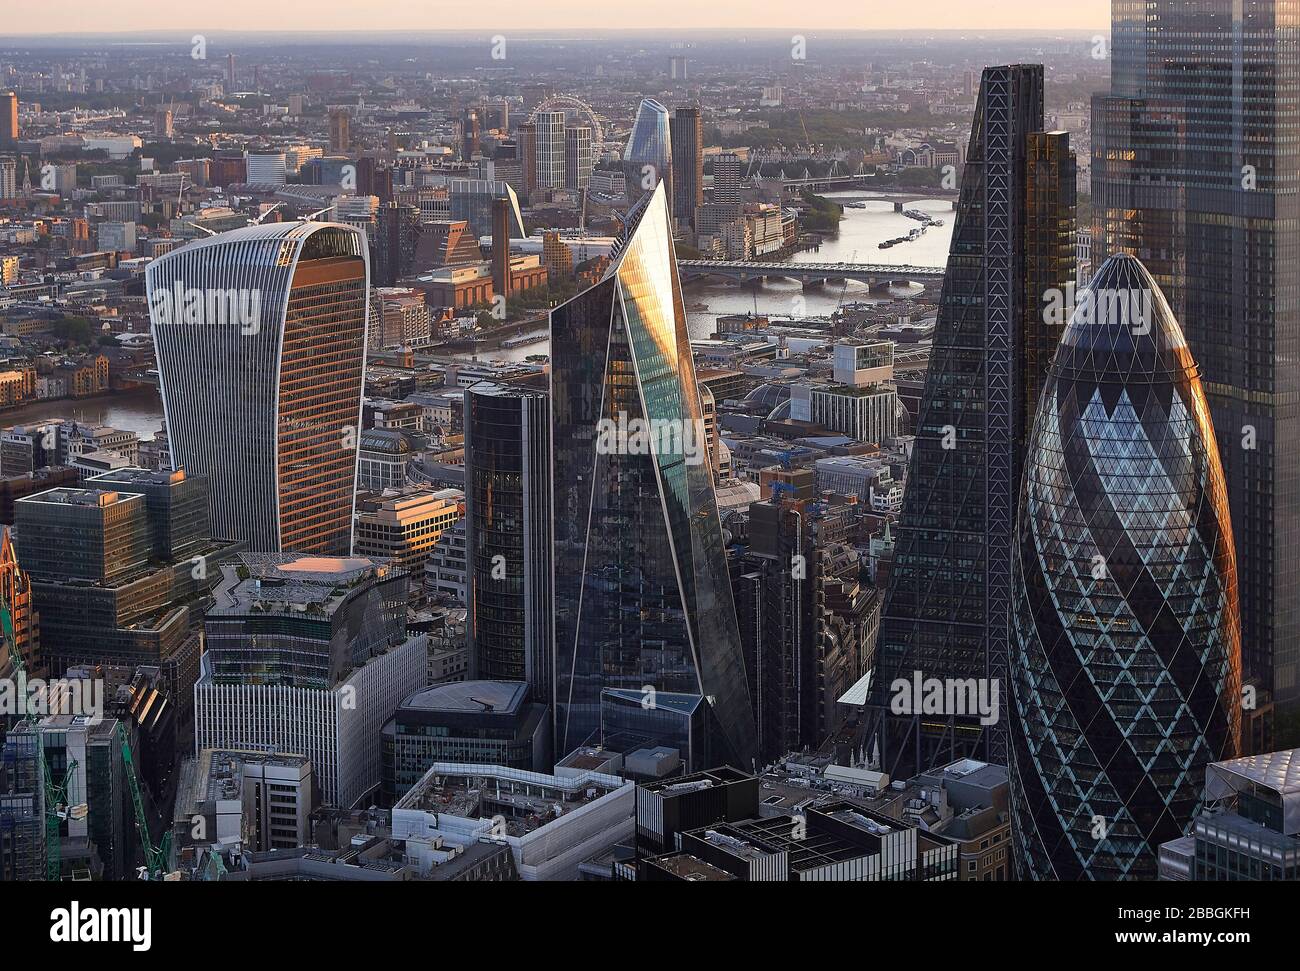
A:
(1126, 673)
(642, 595)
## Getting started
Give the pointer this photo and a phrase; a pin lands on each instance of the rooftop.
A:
(471, 696)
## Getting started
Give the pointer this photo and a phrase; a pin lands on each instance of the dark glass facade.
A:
(642, 596)
(508, 514)
(649, 154)
(947, 613)
(687, 132)
(1196, 171)
(1126, 675)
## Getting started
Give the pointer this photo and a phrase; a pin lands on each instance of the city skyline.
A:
(727, 443)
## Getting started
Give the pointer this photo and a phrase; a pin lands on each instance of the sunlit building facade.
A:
(1126, 673)
(1196, 171)
(642, 596)
(648, 159)
(261, 336)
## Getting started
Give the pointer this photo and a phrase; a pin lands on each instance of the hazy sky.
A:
(500, 16)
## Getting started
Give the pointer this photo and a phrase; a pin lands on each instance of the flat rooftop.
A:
(471, 696)
(690, 868)
(697, 780)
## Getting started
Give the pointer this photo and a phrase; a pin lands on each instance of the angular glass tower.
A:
(642, 595)
(948, 609)
(1126, 673)
(261, 342)
(1196, 171)
(649, 152)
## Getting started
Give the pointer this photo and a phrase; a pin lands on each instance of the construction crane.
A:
(155, 857)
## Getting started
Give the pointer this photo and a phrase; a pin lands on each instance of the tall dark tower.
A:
(1196, 171)
(688, 163)
(471, 134)
(508, 533)
(8, 118)
(948, 611)
(1126, 678)
(501, 247)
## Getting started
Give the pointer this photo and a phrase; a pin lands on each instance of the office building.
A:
(948, 609)
(832, 841)
(642, 595)
(808, 623)
(118, 569)
(1251, 827)
(474, 200)
(727, 174)
(117, 237)
(260, 335)
(1126, 674)
(687, 132)
(8, 119)
(265, 168)
(1195, 151)
(310, 655)
(98, 840)
(483, 722)
(234, 802)
(648, 158)
(398, 231)
(340, 134)
(501, 248)
(527, 150)
(508, 534)
(406, 527)
(550, 823)
(667, 808)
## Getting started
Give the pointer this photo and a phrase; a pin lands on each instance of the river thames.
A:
(860, 233)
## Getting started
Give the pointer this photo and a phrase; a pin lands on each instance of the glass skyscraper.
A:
(508, 533)
(1126, 674)
(642, 596)
(261, 342)
(1196, 171)
(947, 613)
(648, 159)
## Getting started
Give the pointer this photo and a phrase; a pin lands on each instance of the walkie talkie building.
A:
(1126, 668)
(260, 336)
(642, 594)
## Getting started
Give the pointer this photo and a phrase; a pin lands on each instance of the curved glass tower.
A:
(648, 159)
(260, 335)
(1125, 669)
(642, 594)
